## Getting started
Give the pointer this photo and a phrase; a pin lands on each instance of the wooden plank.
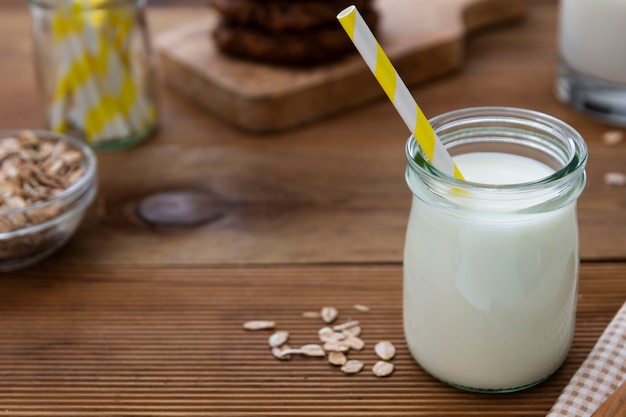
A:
(615, 405)
(169, 342)
(424, 39)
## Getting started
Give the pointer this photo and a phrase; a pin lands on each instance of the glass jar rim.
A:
(575, 164)
(83, 5)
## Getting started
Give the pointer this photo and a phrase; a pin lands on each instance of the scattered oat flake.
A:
(279, 338)
(288, 351)
(615, 178)
(346, 325)
(337, 358)
(331, 336)
(325, 331)
(335, 346)
(382, 369)
(354, 342)
(282, 352)
(312, 350)
(329, 314)
(385, 350)
(612, 137)
(352, 366)
(352, 331)
(259, 325)
(337, 340)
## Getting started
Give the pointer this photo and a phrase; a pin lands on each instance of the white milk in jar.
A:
(592, 74)
(491, 264)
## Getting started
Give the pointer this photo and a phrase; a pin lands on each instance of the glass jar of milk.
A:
(592, 71)
(491, 262)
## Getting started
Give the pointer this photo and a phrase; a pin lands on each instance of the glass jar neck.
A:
(506, 130)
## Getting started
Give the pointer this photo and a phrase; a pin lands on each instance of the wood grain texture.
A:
(615, 405)
(132, 320)
(422, 38)
(330, 192)
(170, 342)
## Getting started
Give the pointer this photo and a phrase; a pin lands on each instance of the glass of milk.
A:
(491, 262)
(592, 48)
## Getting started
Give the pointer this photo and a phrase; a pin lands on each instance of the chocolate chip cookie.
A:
(286, 32)
(281, 15)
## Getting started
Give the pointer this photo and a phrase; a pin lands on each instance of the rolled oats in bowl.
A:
(47, 181)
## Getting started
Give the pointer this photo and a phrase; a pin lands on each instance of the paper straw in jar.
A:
(115, 35)
(112, 67)
(95, 72)
(76, 78)
(396, 90)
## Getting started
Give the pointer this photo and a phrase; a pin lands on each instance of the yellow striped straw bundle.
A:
(97, 89)
(396, 90)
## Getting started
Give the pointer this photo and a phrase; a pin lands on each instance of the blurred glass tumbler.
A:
(95, 69)
(592, 46)
(491, 267)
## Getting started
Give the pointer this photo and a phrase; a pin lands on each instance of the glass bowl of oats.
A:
(47, 181)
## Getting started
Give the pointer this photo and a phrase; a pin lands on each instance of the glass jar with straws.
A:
(95, 69)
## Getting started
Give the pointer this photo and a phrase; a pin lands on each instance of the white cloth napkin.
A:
(599, 376)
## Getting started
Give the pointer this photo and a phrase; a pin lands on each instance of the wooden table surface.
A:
(132, 319)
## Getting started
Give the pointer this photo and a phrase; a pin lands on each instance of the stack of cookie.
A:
(286, 32)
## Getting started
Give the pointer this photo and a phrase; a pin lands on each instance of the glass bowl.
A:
(42, 200)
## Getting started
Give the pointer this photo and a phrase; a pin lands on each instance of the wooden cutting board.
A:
(423, 38)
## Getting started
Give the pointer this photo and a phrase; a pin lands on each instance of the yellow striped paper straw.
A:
(96, 90)
(396, 90)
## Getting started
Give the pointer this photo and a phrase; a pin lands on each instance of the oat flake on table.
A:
(612, 137)
(337, 358)
(279, 338)
(383, 368)
(346, 325)
(385, 350)
(329, 314)
(259, 325)
(617, 179)
(353, 366)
